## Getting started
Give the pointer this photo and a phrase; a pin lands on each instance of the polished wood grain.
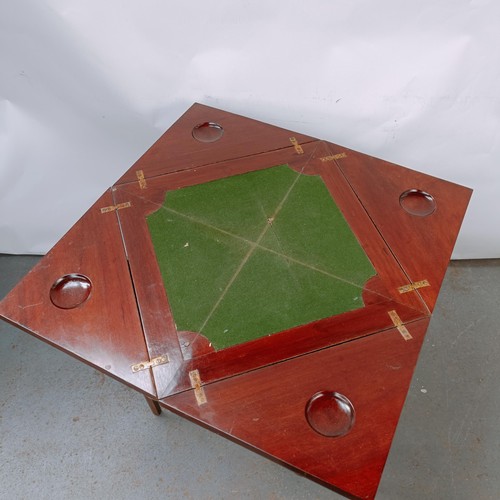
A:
(178, 150)
(265, 409)
(99, 296)
(422, 244)
(105, 331)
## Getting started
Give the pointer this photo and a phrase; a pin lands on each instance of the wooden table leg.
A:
(154, 406)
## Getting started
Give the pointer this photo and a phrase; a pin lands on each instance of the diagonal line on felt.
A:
(255, 245)
(249, 254)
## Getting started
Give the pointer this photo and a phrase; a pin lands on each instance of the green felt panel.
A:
(276, 294)
(239, 204)
(254, 254)
(311, 228)
(196, 264)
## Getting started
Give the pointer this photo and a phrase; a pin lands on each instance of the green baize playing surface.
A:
(254, 254)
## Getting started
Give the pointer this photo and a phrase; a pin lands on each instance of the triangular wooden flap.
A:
(418, 215)
(205, 135)
(79, 298)
(331, 414)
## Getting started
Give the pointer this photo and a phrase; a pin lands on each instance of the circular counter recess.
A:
(330, 414)
(417, 202)
(70, 291)
(208, 132)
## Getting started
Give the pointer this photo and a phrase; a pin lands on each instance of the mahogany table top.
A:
(268, 285)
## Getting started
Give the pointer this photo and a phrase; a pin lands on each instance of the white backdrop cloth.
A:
(86, 86)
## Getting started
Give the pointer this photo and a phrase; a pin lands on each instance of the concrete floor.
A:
(67, 431)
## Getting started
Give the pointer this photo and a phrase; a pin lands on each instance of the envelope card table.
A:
(268, 285)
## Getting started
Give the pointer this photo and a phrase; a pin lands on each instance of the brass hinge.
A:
(112, 208)
(142, 180)
(333, 157)
(399, 325)
(413, 286)
(297, 146)
(160, 360)
(199, 393)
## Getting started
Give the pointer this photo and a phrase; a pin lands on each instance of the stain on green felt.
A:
(225, 283)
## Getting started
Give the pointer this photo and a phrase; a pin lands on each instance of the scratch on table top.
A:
(30, 305)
